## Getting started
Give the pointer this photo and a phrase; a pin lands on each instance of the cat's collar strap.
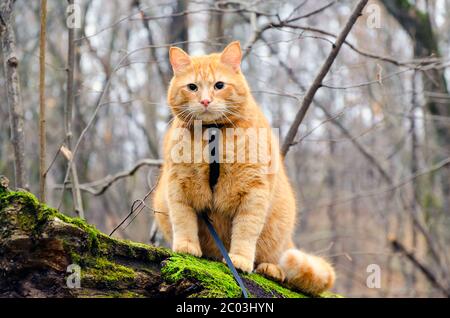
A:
(207, 126)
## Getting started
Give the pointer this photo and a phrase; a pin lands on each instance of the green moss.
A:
(87, 293)
(24, 197)
(215, 277)
(154, 254)
(128, 294)
(101, 270)
(328, 294)
(34, 215)
(45, 213)
(26, 219)
(272, 287)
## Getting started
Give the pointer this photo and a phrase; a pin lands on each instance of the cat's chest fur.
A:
(234, 182)
(236, 179)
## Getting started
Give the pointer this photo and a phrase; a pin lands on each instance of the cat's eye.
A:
(192, 87)
(219, 85)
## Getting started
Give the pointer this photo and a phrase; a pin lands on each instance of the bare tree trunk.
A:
(42, 133)
(68, 114)
(8, 42)
(418, 25)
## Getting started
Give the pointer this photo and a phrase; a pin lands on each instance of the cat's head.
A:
(210, 88)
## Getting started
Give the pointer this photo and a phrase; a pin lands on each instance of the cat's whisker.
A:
(235, 114)
(226, 117)
(182, 113)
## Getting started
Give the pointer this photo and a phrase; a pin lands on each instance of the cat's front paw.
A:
(187, 246)
(242, 263)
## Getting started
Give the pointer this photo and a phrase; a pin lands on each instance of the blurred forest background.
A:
(371, 161)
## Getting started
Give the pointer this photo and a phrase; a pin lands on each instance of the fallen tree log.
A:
(44, 253)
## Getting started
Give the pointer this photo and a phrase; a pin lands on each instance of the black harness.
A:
(214, 173)
(214, 155)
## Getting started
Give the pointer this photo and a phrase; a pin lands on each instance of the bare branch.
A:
(399, 247)
(314, 12)
(103, 184)
(307, 100)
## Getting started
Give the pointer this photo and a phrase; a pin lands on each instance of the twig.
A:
(307, 100)
(391, 187)
(314, 12)
(399, 247)
(177, 14)
(318, 126)
(162, 74)
(384, 174)
(104, 183)
(259, 31)
(55, 157)
(133, 209)
(350, 45)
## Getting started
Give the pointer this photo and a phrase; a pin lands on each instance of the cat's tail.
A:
(309, 273)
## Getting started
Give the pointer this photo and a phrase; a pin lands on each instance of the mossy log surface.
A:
(37, 244)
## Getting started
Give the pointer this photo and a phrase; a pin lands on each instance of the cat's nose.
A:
(205, 102)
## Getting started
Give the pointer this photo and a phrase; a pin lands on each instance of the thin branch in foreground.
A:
(55, 156)
(317, 83)
(141, 205)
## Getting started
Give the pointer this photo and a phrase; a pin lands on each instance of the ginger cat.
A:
(253, 211)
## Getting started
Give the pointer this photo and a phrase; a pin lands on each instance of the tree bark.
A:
(68, 117)
(16, 112)
(44, 253)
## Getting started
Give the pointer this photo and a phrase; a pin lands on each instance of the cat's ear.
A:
(179, 59)
(232, 55)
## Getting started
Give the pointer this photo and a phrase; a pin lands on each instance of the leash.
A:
(224, 253)
(214, 173)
